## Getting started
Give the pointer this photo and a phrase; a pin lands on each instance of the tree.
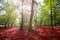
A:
(21, 27)
(10, 15)
(31, 16)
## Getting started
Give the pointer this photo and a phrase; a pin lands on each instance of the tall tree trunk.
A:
(21, 27)
(54, 14)
(51, 14)
(31, 16)
(54, 17)
(36, 15)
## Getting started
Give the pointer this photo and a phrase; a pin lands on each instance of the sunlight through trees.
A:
(29, 13)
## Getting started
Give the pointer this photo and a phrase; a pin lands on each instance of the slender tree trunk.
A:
(54, 14)
(22, 24)
(31, 17)
(51, 14)
(36, 16)
(54, 17)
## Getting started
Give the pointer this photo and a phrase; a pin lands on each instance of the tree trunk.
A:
(36, 16)
(51, 14)
(55, 18)
(31, 17)
(21, 27)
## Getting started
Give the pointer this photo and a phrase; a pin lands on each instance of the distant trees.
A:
(40, 13)
(10, 15)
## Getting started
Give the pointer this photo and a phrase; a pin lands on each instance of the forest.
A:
(29, 19)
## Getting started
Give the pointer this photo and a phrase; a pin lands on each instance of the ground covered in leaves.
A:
(39, 33)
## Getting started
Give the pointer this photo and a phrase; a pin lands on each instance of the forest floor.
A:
(39, 33)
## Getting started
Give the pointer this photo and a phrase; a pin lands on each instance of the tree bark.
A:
(22, 24)
(31, 16)
(36, 16)
(51, 14)
(54, 17)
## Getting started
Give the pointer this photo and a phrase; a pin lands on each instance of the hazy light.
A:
(2, 12)
(1, 4)
(19, 7)
(41, 1)
(6, 0)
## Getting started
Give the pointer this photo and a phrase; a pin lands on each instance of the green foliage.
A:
(11, 14)
(42, 17)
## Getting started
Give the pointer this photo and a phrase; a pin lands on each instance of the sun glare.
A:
(19, 7)
(1, 4)
(41, 1)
